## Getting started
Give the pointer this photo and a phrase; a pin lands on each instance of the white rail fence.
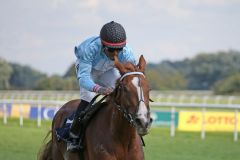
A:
(173, 102)
(38, 103)
(203, 107)
(181, 97)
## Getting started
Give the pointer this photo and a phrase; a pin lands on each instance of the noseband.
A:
(130, 117)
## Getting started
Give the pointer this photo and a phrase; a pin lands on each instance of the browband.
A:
(131, 73)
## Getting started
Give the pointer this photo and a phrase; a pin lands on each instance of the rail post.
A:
(5, 113)
(203, 133)
(39, 111)
(235, 134)
(21, 115)
(172, 127)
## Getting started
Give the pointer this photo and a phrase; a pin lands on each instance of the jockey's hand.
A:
(105, 90)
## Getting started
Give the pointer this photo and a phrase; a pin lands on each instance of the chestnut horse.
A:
(113, 133)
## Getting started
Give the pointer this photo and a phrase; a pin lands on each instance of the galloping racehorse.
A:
(113, 133)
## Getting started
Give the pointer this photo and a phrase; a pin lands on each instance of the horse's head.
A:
(132, 95)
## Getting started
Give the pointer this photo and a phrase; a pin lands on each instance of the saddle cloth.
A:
(63, 132)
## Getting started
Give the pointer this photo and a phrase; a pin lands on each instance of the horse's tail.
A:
(45, 153)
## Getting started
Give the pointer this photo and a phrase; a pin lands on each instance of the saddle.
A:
(92, 108)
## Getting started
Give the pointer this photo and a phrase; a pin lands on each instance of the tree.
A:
(24, 77)
(70, 78)
(229, 85)
(70, 83)
(56, 82)
(205, 69)
(165, 77)
(5, 73)
(71, 72)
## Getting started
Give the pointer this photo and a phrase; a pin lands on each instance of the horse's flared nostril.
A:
(142, 123)
(146, 125)
(150, 121)
(138, 121)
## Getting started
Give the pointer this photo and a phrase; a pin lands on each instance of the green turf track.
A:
(18, 143)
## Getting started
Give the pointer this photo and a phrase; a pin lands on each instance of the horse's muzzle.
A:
(143, 126)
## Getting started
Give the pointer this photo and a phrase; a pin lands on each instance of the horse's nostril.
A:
(141, 123)
(150, 120)
(138, 121)
(149, 123)
(146, 125)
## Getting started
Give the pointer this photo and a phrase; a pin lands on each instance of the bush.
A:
(229, 85)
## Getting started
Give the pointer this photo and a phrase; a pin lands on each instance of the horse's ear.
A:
(141, 63)
(119, 66)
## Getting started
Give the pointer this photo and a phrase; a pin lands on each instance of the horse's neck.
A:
(119, 126)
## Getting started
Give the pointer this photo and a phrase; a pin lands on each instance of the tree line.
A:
(218, 71)
(20, 77)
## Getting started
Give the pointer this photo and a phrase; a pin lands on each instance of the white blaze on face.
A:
(142, 109)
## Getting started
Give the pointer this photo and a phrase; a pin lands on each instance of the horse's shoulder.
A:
(65, 111)
(71, 105)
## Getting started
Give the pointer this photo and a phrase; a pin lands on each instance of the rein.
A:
(130, 117)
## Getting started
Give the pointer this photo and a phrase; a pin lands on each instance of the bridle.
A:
(130, 117)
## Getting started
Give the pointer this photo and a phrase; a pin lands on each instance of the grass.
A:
(23, 143)
(189, 146)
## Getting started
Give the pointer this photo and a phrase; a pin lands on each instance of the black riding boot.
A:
(76, 128)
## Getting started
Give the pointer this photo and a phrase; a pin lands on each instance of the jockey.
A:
(95, 69)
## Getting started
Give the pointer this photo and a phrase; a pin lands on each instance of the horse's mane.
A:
(130, 66)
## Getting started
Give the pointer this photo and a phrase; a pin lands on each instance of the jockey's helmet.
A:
(113, 35)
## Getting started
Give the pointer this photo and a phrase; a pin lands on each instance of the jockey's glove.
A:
(104, 90)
